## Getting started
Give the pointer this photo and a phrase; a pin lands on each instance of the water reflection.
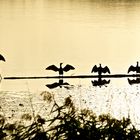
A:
(60, 84)
(134, 81)
(100, 82)
(100, 70)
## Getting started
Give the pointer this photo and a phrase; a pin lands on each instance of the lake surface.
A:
(36, 34)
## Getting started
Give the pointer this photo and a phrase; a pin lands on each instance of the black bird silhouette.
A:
(2, 58)
(100, 82)
(60, 84)
(100, 69)
(134, 69)
(60, 69)
(134, 81)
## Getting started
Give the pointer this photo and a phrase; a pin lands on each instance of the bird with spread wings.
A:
(100, 69)
(61, 69)
(134, 68)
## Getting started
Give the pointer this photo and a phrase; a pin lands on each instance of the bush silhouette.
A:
(69, 123)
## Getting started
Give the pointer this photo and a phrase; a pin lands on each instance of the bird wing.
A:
(138, 80)
(66, 83)
(105, 82)
(108, 81)
(131, 68)
(100, 83)
(2, 58)
(54, 85)
(105, 70)
(94, 83)
(52, 67)
(68, 67)
(94, 69)
(131, 82)
(61, 82)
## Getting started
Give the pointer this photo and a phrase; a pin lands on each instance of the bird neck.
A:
(61, 70)
(137, 63)
(61, 65)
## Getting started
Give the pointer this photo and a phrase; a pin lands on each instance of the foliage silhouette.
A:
(69, 123)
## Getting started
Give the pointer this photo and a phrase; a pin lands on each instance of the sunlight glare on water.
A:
(122, 102)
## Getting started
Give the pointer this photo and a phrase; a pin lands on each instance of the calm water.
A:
(35, 34)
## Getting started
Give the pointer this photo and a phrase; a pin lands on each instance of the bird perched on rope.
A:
(2, 58)
(61, 69)
(134, 69)
(100, 69)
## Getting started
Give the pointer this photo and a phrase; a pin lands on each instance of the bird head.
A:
(61, 64)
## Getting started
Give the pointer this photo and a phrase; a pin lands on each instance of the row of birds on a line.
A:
(99, 69)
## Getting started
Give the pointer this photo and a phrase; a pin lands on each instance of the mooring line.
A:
(75, 76)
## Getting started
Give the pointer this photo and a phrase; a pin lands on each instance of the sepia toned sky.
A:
(35, 34)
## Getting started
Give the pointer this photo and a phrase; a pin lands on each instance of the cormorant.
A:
(100, 69)
(135, 69)
(61, 70)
